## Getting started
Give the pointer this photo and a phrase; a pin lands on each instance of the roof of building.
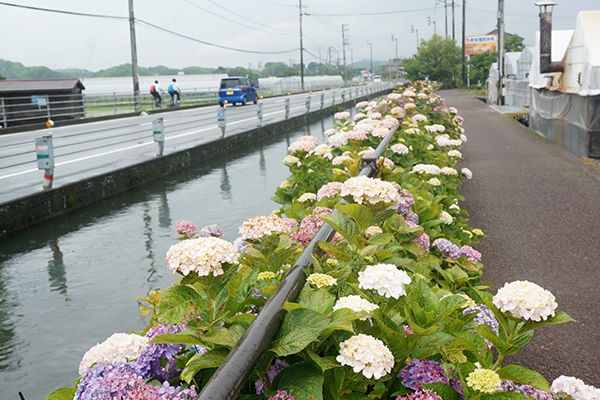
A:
(42, 85)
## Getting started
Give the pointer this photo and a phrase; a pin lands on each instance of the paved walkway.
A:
(540, 207)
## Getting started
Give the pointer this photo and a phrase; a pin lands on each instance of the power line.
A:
(238, 15)
(373, 13)
(64, 12)
(212, 44)
(148, 24)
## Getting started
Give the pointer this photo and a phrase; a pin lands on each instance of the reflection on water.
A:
(101, 257)
(56, 268)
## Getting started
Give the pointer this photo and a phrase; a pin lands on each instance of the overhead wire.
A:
(247, 19)
(377, 13)
(150, 25)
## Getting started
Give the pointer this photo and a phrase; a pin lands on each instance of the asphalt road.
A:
(86, 150)
(540, 207)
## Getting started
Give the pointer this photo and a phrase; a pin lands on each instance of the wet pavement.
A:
(540, 207)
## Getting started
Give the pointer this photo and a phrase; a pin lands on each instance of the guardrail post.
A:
(286, 105)
(4, 119)
(115, 103)
(45, 156)
(356, 92)
(343, 96)
(222, 118)
(333, 97)
(322, 99)
(307, 104)
(259, 111)
(158, 131)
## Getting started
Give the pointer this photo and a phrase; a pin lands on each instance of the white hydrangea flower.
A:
(307, 197)
(426, 169)
(430, 147)
(330, 132)
(342, 115)
(446, 218)
(419, 118)
(443, 140)
(524, 299)
(387, 279)
(434, 182)
(290, 160)
(355, 303)
(463, 137)
(568, 386)
(359, 116)
(338, 140)
(467, 173)
(367, 354)
(449, 171)
(399, 148)
(370, 190)
(455, 153)
(454, 207)
(409, 93)
(373, 230)
(202, 255)
(380, 132)
(339, 160)
(120, 347)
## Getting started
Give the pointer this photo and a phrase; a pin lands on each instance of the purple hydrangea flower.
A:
(211, 230)
(422, 240)
(470, 253)
(420, 395)
(422, 371)
(240, 244)
(406, 201)
(183, 227)
(484, 316)
(527, 390)
(107, 381)
(412, 217)
(274, 369)
(282, 395)
(446, 247)
(148, 364)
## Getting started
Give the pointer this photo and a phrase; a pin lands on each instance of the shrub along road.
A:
(540, 207)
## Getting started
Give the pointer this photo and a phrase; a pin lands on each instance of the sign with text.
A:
(480, 44)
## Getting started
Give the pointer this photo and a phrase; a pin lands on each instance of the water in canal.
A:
(69, 283)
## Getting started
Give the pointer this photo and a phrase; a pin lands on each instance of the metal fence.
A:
(229, 378)
(37, 109)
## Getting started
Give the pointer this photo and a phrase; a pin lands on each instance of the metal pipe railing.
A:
(237, 367)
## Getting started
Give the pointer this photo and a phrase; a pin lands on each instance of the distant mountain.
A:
(17, 71)
(75, 72)
(120, 71)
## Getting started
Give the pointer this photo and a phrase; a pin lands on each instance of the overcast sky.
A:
(39, 38)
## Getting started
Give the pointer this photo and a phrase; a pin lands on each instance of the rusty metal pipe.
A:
(546, 63)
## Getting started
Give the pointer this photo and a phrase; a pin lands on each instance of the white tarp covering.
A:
(510, 63)
(582, 59)
(524, 63)
(560, 41)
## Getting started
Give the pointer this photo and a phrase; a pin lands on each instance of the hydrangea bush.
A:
(394, 306)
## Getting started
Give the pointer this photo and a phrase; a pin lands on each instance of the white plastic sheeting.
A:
(582, 59)
(567, 119)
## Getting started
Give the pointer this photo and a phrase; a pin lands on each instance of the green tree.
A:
(438, 58)
(479, 66)
(514, 43)
(121, 71)
(198, 71)
(278, 69)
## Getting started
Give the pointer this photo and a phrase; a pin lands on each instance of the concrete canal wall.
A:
(27, 211)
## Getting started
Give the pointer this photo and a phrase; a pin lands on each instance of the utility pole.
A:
(453, 20)
(396, 39)
(446, 13)
(429, 23)
(301, 51)
(344, 43)
(134, 65)
(413, 30)
(463, 43)
(501, 52)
